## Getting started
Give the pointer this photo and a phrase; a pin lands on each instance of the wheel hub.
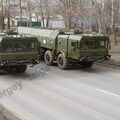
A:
(61, 61)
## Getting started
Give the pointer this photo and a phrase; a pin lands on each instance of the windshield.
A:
(18, 47)
(93, 45)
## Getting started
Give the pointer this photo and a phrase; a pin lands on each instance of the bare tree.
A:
(47, 12)
(19, 3)
(112, 14)
(8, 14)
(2, 15)
(65, 6)
(30, 12)
(44, 12)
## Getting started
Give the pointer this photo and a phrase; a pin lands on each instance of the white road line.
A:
(115, 95)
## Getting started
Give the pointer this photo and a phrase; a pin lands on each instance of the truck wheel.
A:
(62, 62)
(48, 57)
(21, 68)
(87, 64)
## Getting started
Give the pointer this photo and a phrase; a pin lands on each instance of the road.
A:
(54, 94)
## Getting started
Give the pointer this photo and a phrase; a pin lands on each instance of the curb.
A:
(108, 65)
(6, 114)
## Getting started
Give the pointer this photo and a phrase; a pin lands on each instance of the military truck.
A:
(66, 49)
(16, 52)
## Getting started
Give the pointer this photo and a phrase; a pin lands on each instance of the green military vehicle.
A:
(17, 52)
(66, 49)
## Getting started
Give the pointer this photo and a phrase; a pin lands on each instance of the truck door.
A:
(62, 44)
(73, 49)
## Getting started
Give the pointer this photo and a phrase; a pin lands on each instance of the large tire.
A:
(21, 68)
(48, 57)
(62, 62)
(87, 64)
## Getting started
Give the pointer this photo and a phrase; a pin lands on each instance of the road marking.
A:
(115, 95)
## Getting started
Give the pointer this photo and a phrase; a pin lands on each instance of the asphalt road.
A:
(51, 94)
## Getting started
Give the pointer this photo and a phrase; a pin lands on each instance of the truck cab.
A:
(84, 49)
(16, 52)
(88, 47)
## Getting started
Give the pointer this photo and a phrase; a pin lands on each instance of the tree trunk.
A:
(68, 16)
(3, 24)
(41, 12)
(8, 14)
(20, 9)
(47, 24)
(112, 16)
(100, 25)
(119, 11)
(47, 12)
(30, 12)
